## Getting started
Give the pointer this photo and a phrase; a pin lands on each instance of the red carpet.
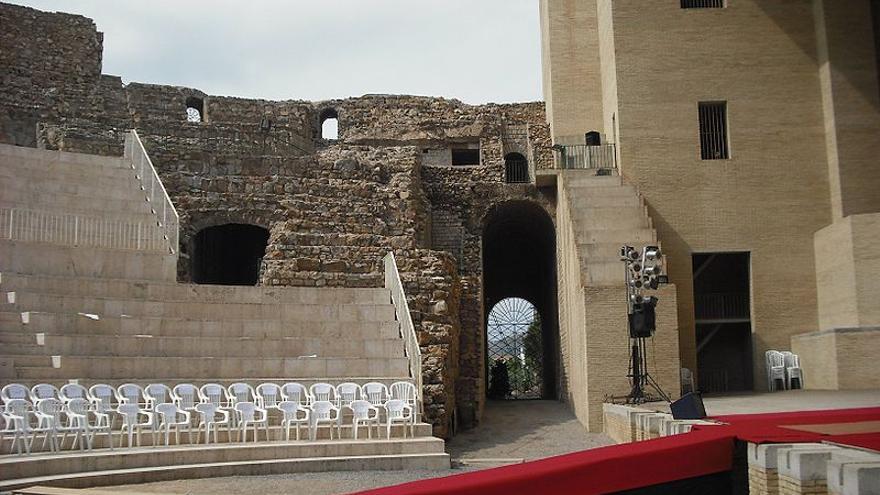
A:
(704, 451)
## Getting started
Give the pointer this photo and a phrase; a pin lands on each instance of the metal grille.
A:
(702, 4)
(713, 130)
(515, 350)
(516, 168)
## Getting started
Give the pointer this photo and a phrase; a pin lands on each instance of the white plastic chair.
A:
(130, 393)
(406, 391)
(43, 391)
(14, 391)
(687, 381)
(214, 393)
(346, 393)
(322, 411)
(186, 396)
(295, 392)
(251, 415)
(101, 397)
(366, 413)
(157, 393)
(72, 391)
(322, 392)
(241, 392)
(793, 370)
(17, 417)
(268, 395)
(291, 411)
(169, 416)
(208, 420)
(131, 414)
(775, 369)
(376, 393)
(51, 419)
(79, 419)
(398, 411)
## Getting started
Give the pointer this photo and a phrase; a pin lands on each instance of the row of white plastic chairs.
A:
(783, 367)
(51, 411)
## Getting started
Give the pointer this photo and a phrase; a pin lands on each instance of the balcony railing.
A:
(584, 157)
(722, 307)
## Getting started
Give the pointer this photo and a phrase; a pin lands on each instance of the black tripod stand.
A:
(640, 378)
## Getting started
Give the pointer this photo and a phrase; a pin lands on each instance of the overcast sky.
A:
(474, 50)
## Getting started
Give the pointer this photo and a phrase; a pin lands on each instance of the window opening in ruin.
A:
(195, 109)
(229, 254)
(520, 303)
(515, 350)
(723, 321)
(516, 168)
(713, 130)
(465, 156)
(329, 124)
(702, 4)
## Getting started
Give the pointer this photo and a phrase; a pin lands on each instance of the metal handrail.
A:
(407, 329)
(586, 157)
(151, 184)
(71, 229)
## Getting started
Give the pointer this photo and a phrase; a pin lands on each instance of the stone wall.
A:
(333, 208)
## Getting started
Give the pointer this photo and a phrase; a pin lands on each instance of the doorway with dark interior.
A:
(723, 321)
(519, 302)
(229, 254)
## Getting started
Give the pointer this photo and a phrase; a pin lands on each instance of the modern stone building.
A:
(741, 137)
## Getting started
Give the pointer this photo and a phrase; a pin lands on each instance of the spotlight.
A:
(652, 253)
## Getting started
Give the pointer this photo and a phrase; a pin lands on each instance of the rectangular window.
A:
(702, 4)
(713, 130)
(465, 156)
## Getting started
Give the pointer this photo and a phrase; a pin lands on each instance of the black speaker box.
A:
(690, 406)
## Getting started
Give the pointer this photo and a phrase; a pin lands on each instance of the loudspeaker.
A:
(690, 406)
(643, 320)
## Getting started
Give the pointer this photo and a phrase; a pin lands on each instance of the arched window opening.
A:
(514, 343)
(229, 254)
(329, 124)
(516, 168)
(195, 109)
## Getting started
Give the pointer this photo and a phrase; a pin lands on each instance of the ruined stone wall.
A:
(333, 208)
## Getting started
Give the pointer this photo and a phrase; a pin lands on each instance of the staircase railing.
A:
(404, 319)
(151, 184)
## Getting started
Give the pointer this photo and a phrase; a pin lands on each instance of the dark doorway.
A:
(516, 168)
(723, 318)
(229, 254)
(519, 261)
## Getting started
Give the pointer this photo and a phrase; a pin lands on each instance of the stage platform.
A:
(782, 401)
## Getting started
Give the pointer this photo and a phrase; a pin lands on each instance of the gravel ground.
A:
(511, 431)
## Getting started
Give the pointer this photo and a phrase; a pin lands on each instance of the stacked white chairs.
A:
(208, 420)
(294, 414)
(792, 370)
(172, 417)
(90, 413)
(363, 412)
(251, 415)
(398, 411)
(775, 370)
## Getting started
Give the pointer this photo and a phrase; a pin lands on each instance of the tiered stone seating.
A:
(113, 315)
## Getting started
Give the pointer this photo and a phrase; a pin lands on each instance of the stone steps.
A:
(63, 171)
(219, 310)
(151, 290)
(124, 466)
(71, 203)
(201, 380)
(100, 368)
(133, 346)
(86, 185)
(75, 324)
(59, 260)
(10, 153)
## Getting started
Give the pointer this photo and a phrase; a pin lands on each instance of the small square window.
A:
(713, 130)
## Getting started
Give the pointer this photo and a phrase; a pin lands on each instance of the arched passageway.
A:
(229, 254)
(519, 261)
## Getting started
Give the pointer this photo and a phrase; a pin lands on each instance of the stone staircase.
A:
(89, 294)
